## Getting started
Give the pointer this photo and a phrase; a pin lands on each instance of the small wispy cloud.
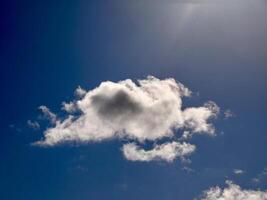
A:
(33, 125)
(238, 171)
(261, 176)
(15, 128)
(80, 92)
(48, 114)
(228, 114)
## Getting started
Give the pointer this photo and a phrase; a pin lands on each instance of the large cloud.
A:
(233, 192)
(149, 110)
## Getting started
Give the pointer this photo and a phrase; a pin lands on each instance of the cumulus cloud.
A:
(166, 151)
(233, 192)
(150, 109)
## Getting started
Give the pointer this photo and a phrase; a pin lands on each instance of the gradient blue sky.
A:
(48, 48)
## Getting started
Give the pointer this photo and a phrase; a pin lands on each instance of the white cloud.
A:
(196, 118)
(79, 92)
(186, 135)
(69, 107)
(233, 192)
(238, 171)
(149, 110)
(166, 151)
(48, 114)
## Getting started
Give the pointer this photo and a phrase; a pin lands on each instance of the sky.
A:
(141, 99)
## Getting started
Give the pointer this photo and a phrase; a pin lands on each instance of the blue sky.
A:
(215, 48)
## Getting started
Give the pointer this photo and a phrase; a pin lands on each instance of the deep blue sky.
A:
(48, 48)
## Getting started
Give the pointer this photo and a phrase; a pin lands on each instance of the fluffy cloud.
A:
(79, 92)
(233, 192)
(69, 107)
(166, 151)
(149, 110)
(196, 118)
